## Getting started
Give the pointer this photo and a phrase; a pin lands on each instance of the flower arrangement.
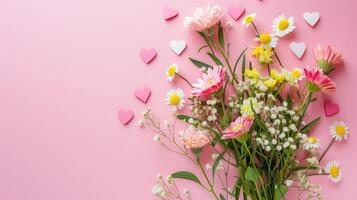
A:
(252, 120)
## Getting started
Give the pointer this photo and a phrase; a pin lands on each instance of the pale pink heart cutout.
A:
(125, 116)
(169, 13)
(147, 55)
(143, 95)
(331, 108)
(236, 12)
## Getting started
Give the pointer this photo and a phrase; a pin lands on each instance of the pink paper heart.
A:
(143, 95)
(125, 116)
(235, 12)
(169, 13)
(147, 55)
(331, 108)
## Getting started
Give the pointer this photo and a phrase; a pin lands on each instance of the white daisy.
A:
(339, 130)
(333, 169)
(267, 40)
(171, 71)
(312, 143)
(248, 19)
(283, 26)
(175, 98)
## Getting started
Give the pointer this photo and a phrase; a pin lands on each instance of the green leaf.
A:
(289, 101)
(243, 68)
(238, 59)
(197, 151)
(280, 192)
(186, 175)
(238, 185)
(222, 197)
(215, 59)
(226, 119)
(308, 126)
(216, 162)
(184, 117)
(250, 65)
(200, 64)
(220, 35)
(251, 175)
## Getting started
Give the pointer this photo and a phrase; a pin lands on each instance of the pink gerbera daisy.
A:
(327, 57)
(210, 82)
(238, 127)
(317, 81)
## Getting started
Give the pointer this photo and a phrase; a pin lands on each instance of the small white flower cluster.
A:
(204, 109)
(313, 190)
(281, 124)
(165, 188)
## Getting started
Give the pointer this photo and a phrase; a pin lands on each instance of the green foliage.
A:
(186, 175)
(251, 174)
(280, 192)
(308, 126)
(200, 64)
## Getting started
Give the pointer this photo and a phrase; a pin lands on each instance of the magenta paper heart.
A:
(143, 95)
(235, 12)
(147, 55)
(125, 116)
(331, 108)
(169, 13)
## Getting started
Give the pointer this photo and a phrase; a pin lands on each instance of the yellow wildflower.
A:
(270, 83)
(252, 74)
(279, 77)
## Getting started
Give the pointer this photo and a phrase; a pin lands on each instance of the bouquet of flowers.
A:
(251, 118)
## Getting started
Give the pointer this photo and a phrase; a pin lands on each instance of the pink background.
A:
(67, 66)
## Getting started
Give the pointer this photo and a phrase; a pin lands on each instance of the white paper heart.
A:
(178, 46)
(311, 18)
(298, 49)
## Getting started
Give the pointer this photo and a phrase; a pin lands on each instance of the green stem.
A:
(183, 78)
(328, 147)
(211, 188)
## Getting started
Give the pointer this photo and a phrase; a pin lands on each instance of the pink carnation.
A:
(210, 82)
(317, 81)
(194, 138)
(203, 19)
(238, 127)
(327, 57)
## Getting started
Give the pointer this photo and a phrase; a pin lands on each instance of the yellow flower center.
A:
(340, 130)
(334, 171)
(296, 73)
(174, 99)
(283, 24)
(210, 82)
(265, 38)
(172, 70)
(237, 127)
(312, 140)
(249, 19)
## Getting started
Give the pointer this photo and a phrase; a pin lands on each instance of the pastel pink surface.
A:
(67, 66)
(143, 94)
(169, 13)
(236, 12)
(125, 116)
(147, 55)
(331, 108)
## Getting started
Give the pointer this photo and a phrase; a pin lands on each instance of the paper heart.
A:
(311, 18)
(169, 13)
(147, 55)
(178, 46)
(143, 95)
(298, 49)
(235, 12)
(331, 108)
(125, 116)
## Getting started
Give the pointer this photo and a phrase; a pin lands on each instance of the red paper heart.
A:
(143, 95)
(169, 13)
(147, 55)
(125, 116)
(331, 108)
